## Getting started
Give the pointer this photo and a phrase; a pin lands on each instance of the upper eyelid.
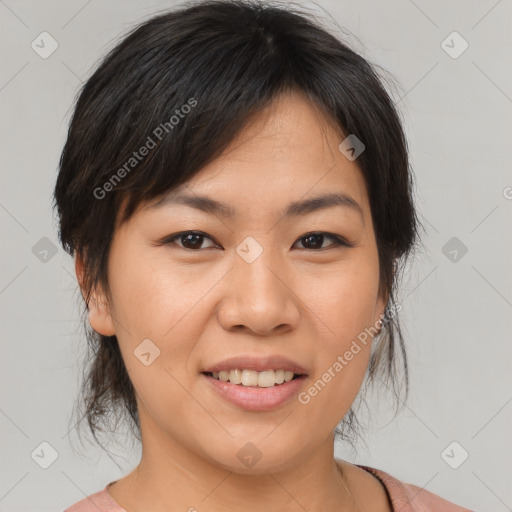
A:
(338, 239)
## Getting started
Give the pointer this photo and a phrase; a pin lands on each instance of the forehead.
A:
(286, 153)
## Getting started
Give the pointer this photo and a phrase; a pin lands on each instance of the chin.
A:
(255, 456)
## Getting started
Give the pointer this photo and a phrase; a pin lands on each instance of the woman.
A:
(235, 190)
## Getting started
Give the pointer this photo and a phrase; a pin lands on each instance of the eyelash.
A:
(338, 241)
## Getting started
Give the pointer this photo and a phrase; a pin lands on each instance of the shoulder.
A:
(408, 497)
(100, 501)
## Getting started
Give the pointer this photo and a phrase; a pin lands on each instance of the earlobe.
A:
(380, 310)
(100, 317)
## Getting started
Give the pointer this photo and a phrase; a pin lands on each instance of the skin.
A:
(200, 306)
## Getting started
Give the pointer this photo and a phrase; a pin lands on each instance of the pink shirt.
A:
(404, 498)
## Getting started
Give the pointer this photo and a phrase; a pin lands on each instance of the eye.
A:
(193, 240)
(190, 239)
(315, 240)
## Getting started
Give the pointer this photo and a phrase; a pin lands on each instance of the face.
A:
(255, 280)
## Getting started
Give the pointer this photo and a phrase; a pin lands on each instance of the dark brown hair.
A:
(225, 61)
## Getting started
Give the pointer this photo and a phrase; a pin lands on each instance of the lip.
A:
(253, 398)
(259, 364)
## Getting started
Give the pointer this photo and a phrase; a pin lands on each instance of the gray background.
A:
(457, 314)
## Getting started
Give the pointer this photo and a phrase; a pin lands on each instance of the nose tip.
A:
(257, 298)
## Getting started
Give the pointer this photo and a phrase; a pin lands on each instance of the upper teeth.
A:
(265, 379)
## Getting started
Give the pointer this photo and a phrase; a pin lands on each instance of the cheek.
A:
(344, 304)
(345, 300)
(152, 295)
(168, 305)
(343, 351)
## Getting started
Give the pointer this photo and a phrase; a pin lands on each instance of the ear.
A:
(100, 316)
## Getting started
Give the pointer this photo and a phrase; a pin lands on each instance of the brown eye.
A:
(315, 241)
(191, 240)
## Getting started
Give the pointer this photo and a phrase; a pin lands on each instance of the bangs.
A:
(165, 103)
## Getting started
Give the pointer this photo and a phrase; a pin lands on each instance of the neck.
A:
(170, 474)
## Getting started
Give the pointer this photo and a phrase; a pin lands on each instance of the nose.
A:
(259, 297)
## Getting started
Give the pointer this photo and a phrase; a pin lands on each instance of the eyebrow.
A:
(294, 209)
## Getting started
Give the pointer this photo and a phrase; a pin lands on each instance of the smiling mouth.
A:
(252, 378)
